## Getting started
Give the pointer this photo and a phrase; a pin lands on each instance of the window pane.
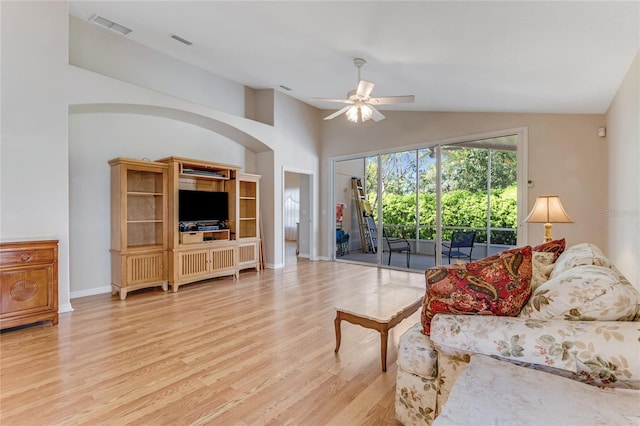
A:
(464, 190)
(427, 197)
(399, 193)
(504, 191)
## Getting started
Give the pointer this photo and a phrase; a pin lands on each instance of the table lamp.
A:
(548, 209)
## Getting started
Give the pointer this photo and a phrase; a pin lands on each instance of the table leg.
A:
(384, 337)
(336, 323)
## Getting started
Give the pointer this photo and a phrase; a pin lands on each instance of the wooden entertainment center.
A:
(151, 247)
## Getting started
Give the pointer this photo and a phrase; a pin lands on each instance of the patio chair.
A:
(460, 240)
(342, 242)
(397, 245)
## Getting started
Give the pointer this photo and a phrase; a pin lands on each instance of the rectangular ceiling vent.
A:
(110, 24)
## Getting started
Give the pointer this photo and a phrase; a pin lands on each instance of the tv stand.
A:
(150, 247)
(212, 249)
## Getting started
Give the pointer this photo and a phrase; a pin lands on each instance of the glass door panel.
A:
(504, 194)
(479, 193)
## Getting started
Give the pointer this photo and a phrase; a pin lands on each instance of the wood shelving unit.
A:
(248, 221)
(138, 225)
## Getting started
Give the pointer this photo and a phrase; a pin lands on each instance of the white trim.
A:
(90, 292)
(330, 218)
(65, 307)
(523, 185)
(311, 212)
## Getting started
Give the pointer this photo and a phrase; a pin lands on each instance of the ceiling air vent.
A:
(181, 40)
(110, 24)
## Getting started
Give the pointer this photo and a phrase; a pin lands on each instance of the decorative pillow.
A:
(540, 268)
(496, 285)
(580, 254)
(584, 293)
(556, 247)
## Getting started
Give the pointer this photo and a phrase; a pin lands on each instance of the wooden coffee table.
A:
(381, 310)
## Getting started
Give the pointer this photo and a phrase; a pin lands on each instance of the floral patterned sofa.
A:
(580, 320)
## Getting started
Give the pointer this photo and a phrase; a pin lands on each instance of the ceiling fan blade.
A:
(364, 88)
(392, 100)
(342, 101)
(376, 115)
(337, 113)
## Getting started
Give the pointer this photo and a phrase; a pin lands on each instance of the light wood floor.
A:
(249, 352)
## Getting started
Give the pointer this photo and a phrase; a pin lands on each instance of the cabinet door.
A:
(193, 263)
(247, 255)
(26, 290)
(145, 268)
(223, 259)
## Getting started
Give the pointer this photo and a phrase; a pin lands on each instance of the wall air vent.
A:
(181, 40)
(110, 24)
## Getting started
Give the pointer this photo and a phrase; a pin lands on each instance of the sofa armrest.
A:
(603, 353)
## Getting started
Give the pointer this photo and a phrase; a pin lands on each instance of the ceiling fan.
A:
(360, 105)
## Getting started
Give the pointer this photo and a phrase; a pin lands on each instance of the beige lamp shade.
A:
(548, 209)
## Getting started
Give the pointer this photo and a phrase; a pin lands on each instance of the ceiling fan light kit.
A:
(362, 112)
(360, 103)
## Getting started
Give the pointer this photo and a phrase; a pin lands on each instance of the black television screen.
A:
(202, 206)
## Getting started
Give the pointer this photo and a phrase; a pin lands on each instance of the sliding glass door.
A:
(422, 196)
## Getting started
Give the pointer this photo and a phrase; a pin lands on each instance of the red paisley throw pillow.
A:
(496, 285)
(556, 247)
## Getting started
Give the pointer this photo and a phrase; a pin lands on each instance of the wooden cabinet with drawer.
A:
(28, 282)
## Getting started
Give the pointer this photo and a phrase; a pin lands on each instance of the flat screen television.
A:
(202, 206)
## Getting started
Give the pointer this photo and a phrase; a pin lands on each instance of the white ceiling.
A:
(508, 56)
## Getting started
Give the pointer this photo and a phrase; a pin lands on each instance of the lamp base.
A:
(547, 232)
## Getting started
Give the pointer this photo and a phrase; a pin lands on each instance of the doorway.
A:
(296, 215)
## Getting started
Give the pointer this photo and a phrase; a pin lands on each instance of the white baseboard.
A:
(274, 265)
(91, 292)
(65, 307)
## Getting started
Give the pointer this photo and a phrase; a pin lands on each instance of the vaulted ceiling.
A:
(507, 56)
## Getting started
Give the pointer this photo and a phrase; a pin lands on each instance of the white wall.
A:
(100, 50)
(94, 139)
(34, 197)
(622, 211)
(565, 157)
(297, 127)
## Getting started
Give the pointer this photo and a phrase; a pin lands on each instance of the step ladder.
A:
(368, 229)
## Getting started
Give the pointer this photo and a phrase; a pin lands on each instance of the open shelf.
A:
(199, 237)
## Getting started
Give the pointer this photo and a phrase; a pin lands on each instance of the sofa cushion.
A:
(585, 293)
(579, 254)
(556, 247)
(494, 392)
(496, 285)
(601, 353)
(541, 267)
(416, 353)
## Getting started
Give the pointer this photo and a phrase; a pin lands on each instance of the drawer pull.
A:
(25, 257)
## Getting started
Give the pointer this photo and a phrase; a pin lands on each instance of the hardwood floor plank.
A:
(253, 351)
